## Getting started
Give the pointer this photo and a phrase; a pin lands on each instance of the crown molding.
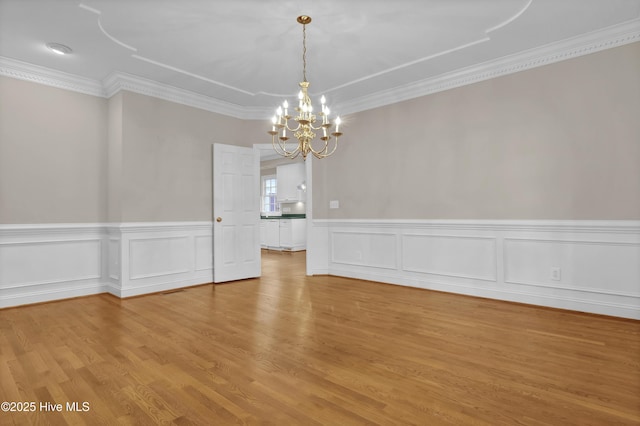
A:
(618, 35)
(614, 36)
(36, 74)
(118, 81)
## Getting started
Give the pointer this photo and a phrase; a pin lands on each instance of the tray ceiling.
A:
(247, 55)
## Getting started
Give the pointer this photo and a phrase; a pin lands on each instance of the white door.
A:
(236, 212)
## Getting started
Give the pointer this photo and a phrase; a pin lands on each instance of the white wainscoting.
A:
(589, 266)
(152, 257)
(40, 263)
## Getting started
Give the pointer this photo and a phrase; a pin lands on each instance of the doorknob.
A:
(218, 219)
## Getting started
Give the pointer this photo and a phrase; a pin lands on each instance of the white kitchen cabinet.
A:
(286, 239)
(284, 234)
(293, 234)
(289, 177)
(273, 233)
(263, 233)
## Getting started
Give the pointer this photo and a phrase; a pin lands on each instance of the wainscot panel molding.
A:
(589, 266)
(40, 263)
(153, 257)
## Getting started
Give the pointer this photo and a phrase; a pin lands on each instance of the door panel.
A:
(236, 203)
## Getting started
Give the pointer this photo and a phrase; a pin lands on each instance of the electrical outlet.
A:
(334, 204)
(556, 274)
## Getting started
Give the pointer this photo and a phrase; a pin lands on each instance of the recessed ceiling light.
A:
(58, 48)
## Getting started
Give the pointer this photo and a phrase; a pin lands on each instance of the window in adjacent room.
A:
(269, 194)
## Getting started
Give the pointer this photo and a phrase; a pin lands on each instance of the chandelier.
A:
(306, 120)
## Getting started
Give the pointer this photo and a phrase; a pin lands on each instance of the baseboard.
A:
(572, 302)
(158, 287)
(51, 294)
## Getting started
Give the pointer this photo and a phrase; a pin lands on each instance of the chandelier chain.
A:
(304, 53)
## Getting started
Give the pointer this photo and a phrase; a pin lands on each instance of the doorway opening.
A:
(293, 218)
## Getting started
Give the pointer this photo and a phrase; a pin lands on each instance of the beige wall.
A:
(53, 166)
(72, 158)
(556, 142)
(166, 154)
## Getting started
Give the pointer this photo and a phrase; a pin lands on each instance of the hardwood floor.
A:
(288, 349)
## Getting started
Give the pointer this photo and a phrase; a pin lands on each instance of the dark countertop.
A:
(286, 216)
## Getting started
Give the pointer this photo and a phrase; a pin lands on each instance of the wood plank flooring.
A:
(288, 349)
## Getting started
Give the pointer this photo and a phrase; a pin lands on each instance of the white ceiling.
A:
(246, 55)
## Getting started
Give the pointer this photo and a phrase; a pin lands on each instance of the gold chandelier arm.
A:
(324, 152)
(281, 148)
(286, 124)
(316, 128)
